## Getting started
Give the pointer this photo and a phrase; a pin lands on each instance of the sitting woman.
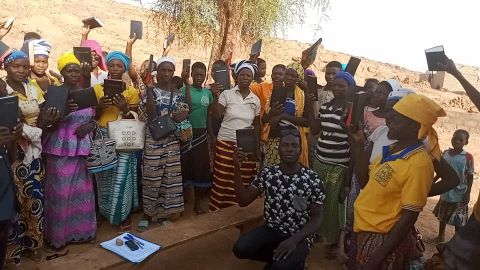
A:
(117, 187)
(287, 111)
(69, 194)
(162, 191)
(240, 109)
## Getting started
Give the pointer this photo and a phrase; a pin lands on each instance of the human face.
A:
(95, 60)
(401, 127)
(339, 88)
(40, 64)
(18, 70)
(380, 96)
(371, 87)
(198, 77)
(262, 70)
(71, 74)
(165, 72)
(459, 140)
(278, 74)
(116, 69)
(289, 149)
(291, 78)
(330, 73)
(245, 77)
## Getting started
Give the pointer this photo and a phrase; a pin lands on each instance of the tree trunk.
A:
(228, 38)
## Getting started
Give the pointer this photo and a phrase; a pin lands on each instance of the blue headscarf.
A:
(15, 55)
(347, 77)
(116, 55)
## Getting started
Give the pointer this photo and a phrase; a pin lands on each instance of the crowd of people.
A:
(357, 186)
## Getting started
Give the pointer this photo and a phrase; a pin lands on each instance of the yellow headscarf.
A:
(424, 111)
(66, 59)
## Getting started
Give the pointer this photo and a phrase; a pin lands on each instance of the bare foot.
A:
(435, 240)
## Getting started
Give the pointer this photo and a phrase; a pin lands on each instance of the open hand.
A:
(449, 66)
(285, 249)
(105, 102)
(121, 103)
(86, 69)
(239, 157)
(131, 40)
(216, 89)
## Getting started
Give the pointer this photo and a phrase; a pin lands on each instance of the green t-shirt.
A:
(201, 99)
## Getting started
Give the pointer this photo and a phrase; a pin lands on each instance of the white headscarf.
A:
(165, 59)
(399, 94)
(244, 64)
(41, 47)
(394, 84)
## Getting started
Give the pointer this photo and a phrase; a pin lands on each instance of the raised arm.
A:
(245, 194)
(85, 32)
(132, 72)
(471, 91)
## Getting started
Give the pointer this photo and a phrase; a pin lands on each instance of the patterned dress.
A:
(70, 200)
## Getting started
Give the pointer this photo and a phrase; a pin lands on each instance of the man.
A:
(293, 208)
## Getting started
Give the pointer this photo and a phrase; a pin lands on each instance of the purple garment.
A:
(63, 141)
(309, 72)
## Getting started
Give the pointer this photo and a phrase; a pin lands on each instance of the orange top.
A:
(263, 92)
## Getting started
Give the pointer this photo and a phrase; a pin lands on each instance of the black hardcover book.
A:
(57, 97)
(83, 54)
(434, 56)
(93, 22)
(186, 66)
(221, 76)
(112, 88)
(168, 40)
(247, 140)
(256, 48)
(9, 111)
(352, 65)
(137, 28)
(84, 98)
(312, 52)
(279, 95)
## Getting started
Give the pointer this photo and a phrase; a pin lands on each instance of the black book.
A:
(247, 140)
(136, 27)
(312, 52)
(4, 51)
(279, 95)
(256, 48)
(93, 22)
(355, 114)
(112, 88)
(83, 54)
(84, 98)
(9, 111)
(434, 56)
(57, 97)
(186, 66)
(168, 40)
(352, 65)
(221, 76)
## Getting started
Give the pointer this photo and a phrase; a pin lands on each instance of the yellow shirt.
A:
(395, 184)
(476, 209)
(111, 112)
(264, 92)
(29, 104)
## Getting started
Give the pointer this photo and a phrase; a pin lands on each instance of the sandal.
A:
(57, 255)
(142, 225)
(163, 222)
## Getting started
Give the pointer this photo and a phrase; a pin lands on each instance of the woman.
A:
(41, 53)
(117, 187)
(162, 191)
(240, 109)
(287, 111)
(398, 186)
(99, 69)
(332, 158)
(70, 200)
(27, 233)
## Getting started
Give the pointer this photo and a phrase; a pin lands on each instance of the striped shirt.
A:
(332, 146)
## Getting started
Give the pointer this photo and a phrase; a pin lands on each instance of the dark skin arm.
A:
(258, 130)
(85, 32)
(313, 225)
(398, 233)
(128, 51)
(245, 194)
(449, 178)
(313, 122)
(469, 189)
(361, 157)
(188, 95)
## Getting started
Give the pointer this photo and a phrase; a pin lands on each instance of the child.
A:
(452, 208)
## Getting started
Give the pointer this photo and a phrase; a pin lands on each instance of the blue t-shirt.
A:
(463, 165)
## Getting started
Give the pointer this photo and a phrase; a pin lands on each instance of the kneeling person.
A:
(293, 208)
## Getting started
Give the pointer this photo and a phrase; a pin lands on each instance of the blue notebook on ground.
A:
(146, 248)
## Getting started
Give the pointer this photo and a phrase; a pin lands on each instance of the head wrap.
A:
(41, 47)
(244, 64)
(66, 59)
(424, 111)
(297, 65)
(398, 94)
(347, 77)
(94, 46)
(394, 84)
(15, 55)
(165, 59)
(116, 55)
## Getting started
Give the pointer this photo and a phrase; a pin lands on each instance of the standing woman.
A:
(26, 235)
(117, 187)
(162, 191)
(69, 195)
(240, 109)
(332, 158)
(287, 113)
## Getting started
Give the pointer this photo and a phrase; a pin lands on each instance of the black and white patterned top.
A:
(288, 198)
